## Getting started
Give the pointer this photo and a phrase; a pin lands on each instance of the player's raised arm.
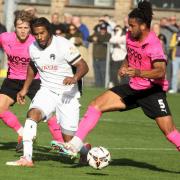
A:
(31, 72)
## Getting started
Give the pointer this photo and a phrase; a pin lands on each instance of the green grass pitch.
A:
(139, 150)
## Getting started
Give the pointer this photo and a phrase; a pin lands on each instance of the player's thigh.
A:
(67, 113)
(108, 101)
(45, 101)
(155, 105)
(5, 102)
(10, 88)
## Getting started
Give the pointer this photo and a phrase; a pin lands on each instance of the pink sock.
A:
(174, 137)
(55, 129)
(88, 122)
(10, 120)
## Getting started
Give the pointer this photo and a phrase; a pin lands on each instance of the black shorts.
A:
(152, 101)
(11, 87)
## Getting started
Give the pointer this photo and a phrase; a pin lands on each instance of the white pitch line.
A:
(134, 148)
(143, 149)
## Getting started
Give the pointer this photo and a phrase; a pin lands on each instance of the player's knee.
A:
(35, 114)
(96, 105)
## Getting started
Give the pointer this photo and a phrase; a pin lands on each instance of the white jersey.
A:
(54, 64)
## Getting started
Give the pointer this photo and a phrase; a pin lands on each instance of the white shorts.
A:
(64, 106)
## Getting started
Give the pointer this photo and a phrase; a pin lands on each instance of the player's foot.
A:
(55, 145)
(19, 146)
(21, 162)
(65, 149)
(83, 156)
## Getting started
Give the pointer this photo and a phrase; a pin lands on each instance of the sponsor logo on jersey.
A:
(133, 55)
(18, 60)
(49, 67)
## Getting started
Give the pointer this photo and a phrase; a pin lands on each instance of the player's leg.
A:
(52, 122)
(30, 129)
(108, 101)
(7, 116)
(156, 107)
(39, 110)
(69, 123)
(168, 128)
(8, 93)
(55, 129)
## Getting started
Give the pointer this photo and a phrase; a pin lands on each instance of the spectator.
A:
(126, 25)
(111, 23)
(75, 36)
(97, 26)
(167, 30)
(175, 44)
(156, 28)
(118, 41)
(162, 37)
(2, 29)
(67, 20)
(82, 28)
(32, 11)
(55, 23)
(100, 40)
(60, 31)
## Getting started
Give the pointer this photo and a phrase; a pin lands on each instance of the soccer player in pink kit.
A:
(145, 64)
(15, 45)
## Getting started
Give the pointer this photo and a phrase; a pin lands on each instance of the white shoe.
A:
(65, 149)
(21, 162)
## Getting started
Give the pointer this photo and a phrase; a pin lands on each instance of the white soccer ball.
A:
(98, 157)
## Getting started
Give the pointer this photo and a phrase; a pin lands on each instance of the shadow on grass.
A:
(8, 146)
(144, 165)
(40, 153)
(97, 174)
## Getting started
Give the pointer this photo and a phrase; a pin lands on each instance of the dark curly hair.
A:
(143, 13)
(42, 21)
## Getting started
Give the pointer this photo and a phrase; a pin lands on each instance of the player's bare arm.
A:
(22, 93)
(81, 70)
(157, 72)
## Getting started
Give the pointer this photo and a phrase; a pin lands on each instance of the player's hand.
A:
(132, 72)
(69, 81)
(21, 97)
(122, 71)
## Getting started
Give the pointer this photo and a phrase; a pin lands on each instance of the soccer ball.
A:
(98, 157)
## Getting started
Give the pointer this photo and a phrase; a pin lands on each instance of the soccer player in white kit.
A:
(53, 57)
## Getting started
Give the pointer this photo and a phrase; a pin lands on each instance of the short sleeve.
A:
(72, 54)
(156, 51)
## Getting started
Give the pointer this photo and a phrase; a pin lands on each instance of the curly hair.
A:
(42, 21)
(143, 13)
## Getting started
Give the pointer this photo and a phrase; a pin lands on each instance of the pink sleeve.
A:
(156, 51)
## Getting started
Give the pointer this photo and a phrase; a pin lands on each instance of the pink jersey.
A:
(141, 55)
(17, 54)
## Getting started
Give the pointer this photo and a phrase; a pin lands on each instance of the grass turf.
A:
(139, 150)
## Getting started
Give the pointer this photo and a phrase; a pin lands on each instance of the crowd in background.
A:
(108, 34)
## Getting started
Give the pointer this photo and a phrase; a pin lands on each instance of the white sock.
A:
(20, 131)
(77, 143)
(29, 133)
